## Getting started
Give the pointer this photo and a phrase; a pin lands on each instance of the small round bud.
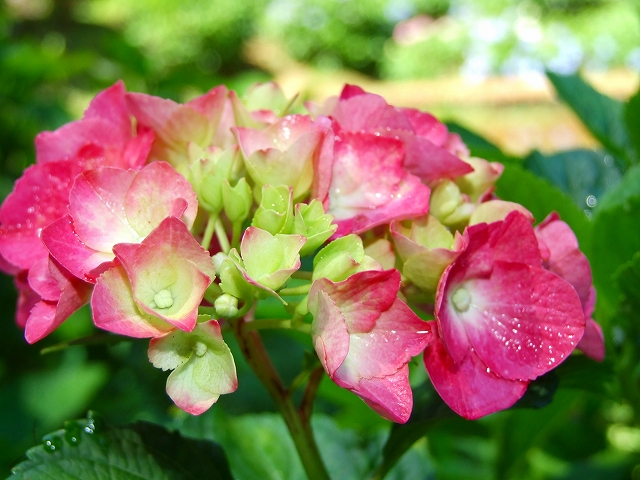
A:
(226, 305)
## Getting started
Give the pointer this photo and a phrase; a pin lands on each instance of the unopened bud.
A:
(226, 305)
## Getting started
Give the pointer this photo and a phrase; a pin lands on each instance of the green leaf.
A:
(540, 392)
(579, 372)
(603, 116)
(541, 198)
(92, 450)
(628, 280)
(260, 447)
(632, 119)
(615, 237)
(582, 174)
(479, 146)
(428, 410)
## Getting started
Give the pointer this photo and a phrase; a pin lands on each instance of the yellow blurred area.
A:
(518, 114)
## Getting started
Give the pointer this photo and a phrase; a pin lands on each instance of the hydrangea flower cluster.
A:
(174, 220)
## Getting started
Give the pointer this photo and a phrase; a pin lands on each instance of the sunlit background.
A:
(479, 64)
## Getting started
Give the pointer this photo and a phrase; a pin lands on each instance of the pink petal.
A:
(64, 245)
(46, 315)
(39, 198)
(149, 267)
(398, 335)
(103, 132)
(592, 342)
(168, 259)
(329, 331)
(152, 196)
(469, 388)
(27, 298)
(351, 91)
(110, 104)
(369, 113)
(42, 282)
(521, 321)
(174, 234)
(136, 151)
(362, 297)
(369, 186)
(565, 258)
(176, 125)
(426, 126)
(390, 397)
(430, 162)
(97, 206)
(115, 310)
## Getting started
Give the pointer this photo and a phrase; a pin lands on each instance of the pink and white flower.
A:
(202, 364)
(369, 186)
(365, 335)
(155, 285)
(108, 206)
(499, 311)
(561, 255)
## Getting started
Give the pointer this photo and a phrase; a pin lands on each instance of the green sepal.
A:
(275, 212)
(311, 221)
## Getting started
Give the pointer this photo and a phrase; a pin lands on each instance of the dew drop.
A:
(72, 433)
(52, 443)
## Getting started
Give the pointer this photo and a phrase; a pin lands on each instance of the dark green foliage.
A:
(93, 450)
(602, 115)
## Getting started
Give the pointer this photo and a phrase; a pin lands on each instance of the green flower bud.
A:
(445, 198)
(232, 280)
(275, 212)
(312, 222)
(237, 200)
(226, 305)
(207, 172)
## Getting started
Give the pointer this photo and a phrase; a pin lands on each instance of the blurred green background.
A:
(55, 55)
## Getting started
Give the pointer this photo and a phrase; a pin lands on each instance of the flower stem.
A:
(221, 235)
(208, 232)
(297, 420)
(299, 290)
(301, 274)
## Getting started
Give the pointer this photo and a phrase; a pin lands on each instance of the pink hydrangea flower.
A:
(499, 311)
(430, 150)
(205, 121)
(108, 206)
(155, 285)
(48, 297)
(561, 255)
(102, 137)
(369, 185)
(365, 336)
(287, 152)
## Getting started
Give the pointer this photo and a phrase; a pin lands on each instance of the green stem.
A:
(302, 275)
(208, 231)
(221, 235)
(299, 290)
(207, 311)
(267, 324)
(297, 422)
(235, 238)
(309, 396)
